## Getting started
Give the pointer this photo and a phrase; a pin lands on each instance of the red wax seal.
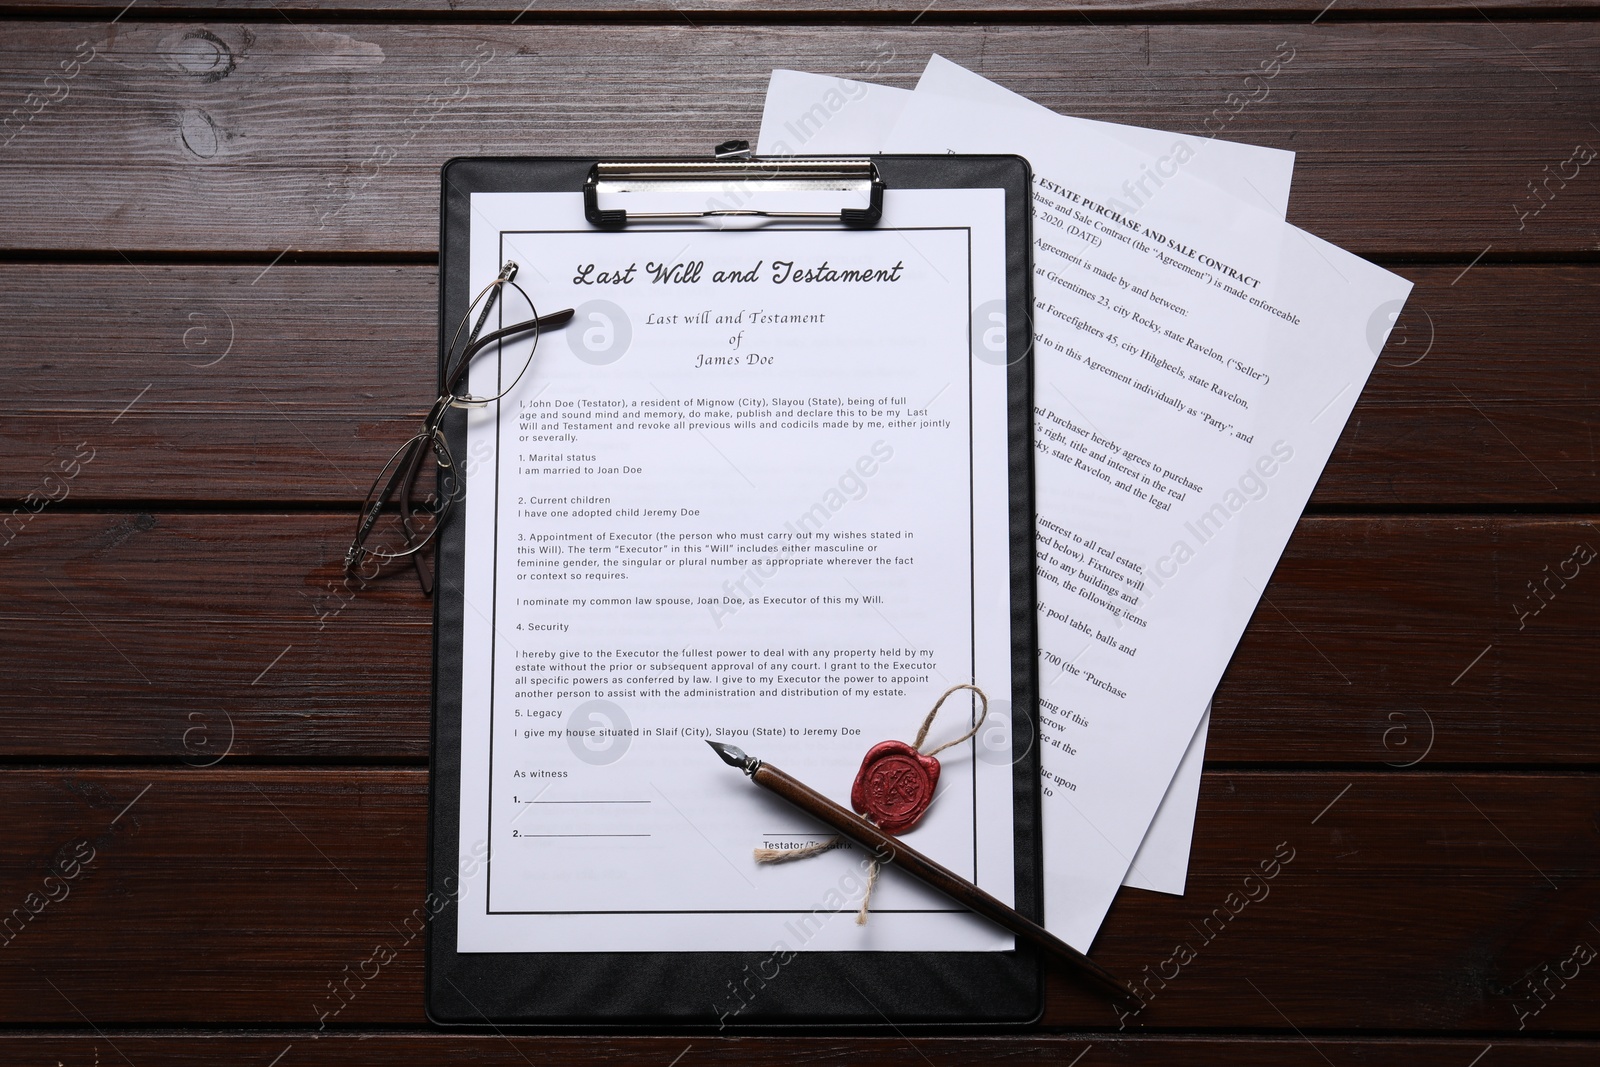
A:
(895, 785)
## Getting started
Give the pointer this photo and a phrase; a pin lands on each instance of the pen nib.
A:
(733, 757)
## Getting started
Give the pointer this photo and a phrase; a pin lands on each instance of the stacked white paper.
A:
(1196, 360)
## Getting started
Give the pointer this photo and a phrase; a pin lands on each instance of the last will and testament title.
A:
(693, 272)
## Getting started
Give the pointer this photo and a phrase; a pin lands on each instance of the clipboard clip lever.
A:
(729, 182)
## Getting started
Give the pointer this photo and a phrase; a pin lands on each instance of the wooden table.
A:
(219, 231)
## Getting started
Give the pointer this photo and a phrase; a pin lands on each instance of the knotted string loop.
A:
(777, 855)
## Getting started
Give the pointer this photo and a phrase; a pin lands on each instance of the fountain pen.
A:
(887, 848)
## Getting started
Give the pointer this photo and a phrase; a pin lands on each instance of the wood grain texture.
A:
(188, 685)
(238, 896)
(170, 636)
(390, 1049)
(294, 383)
(887, 10)
(1413, 138)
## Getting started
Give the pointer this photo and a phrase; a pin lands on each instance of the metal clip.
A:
(736, 168)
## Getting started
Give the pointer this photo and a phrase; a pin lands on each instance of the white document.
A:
(1196, 355)
(1260, 176)
(1162, 862)
(1256, 175)
(813, 114)
(825, 115)
(754, 492)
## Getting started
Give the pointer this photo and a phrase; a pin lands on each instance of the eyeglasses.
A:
(386, 534)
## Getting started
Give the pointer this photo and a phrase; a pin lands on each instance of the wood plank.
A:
(1401, 640)
(226, 383)
(166, 636)
(239, 896)
(1034, 1049)
(720, 10)
(269, 136)
(213, 383)
(1420, 899)
(181, 637)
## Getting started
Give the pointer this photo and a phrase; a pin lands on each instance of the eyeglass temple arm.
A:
(410, 469)
(543, 322)
(403, 476)
(507, 272)
(406, 473)
(559, 318)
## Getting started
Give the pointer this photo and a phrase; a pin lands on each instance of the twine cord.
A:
(777, 855)
(922, 734)
(784, 855)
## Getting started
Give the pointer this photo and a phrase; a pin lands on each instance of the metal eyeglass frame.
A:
(399, 475)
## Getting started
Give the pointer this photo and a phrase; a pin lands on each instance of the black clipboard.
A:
(621, 991)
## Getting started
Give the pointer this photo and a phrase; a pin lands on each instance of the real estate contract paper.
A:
(1197, 357)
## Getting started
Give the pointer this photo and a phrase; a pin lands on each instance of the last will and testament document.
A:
(755, 492)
